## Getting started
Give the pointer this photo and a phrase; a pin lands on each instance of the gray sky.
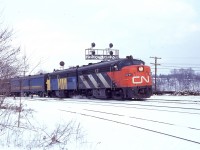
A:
(51, 31)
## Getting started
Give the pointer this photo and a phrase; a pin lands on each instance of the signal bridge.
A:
(101, 54)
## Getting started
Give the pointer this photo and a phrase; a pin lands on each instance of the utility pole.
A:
(24, 58)
(156, 64)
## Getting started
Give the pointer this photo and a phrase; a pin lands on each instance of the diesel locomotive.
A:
(124, 78)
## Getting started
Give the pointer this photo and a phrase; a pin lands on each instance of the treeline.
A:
(179, 80)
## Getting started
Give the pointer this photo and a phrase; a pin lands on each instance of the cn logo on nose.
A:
(140, 79)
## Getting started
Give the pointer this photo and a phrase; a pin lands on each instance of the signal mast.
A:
(101, 54)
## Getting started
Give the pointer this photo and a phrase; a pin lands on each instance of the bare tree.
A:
(9, 61)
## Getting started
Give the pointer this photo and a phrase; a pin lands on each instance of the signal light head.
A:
(111, 45)
(62, 63)
(93, 52)
(111, 53)
(93, 44)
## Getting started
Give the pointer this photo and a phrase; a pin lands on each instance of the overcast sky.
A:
(51, 31)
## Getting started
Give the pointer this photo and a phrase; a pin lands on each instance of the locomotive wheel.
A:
(121, 94)
(118, 94)
(89, 94)
(108, 94)
(70, 95)
(41, 94)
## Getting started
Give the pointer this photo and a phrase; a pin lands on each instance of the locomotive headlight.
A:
(141, 68)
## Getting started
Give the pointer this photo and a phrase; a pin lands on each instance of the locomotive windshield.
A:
(129, 62)
(137, 62)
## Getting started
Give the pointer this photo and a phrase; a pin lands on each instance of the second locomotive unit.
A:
(124, 78)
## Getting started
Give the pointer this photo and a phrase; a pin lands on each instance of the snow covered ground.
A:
(161, 122)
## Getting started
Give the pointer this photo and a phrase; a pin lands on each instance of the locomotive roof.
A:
(102, 63)
(89, 66)
(29, 76)
(94, 65)
(107, 63)
(73, 69)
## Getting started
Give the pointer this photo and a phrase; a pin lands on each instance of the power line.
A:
(197, 70)
(181, 64)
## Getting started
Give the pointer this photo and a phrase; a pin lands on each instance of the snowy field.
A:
(159, 123)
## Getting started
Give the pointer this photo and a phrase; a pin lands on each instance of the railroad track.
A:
(130, 113)
(108, 117)
(180, 108)
(138, 118)
(175, 101)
